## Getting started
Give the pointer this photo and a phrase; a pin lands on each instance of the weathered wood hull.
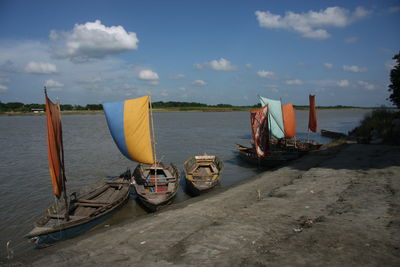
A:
(333, 135)
(273, 159)
(155, 188)
(202, 173)
(85, 212)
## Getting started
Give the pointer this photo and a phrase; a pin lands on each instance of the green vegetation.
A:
(379, 120)
(194, 106)
(27, 108)
(394, 87)
(18, 108)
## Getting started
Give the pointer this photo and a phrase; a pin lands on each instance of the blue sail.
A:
(274, 116)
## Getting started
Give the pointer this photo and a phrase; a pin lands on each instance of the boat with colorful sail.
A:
(129, 122)
(74, 214)
(202, 173)
(274, 135)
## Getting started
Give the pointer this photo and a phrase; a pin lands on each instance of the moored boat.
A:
(332, 134)
(84, 212)
(74, 214)
(155, 186)
(202, 173)
(129, 123)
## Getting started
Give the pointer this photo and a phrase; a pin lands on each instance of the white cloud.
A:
(53, 85)
(343, 83)
(40, 68)
(217, 64)
(389, 65)
(311, 24)
(351, 40)
(92, 40)
(366, 85)
(4, 80)
(328, 65)
(266, 74)
(3, 88)
(199, 83)
(354, 68)
(294, 82)
(248, 65)
(177, 77)
(148, 75)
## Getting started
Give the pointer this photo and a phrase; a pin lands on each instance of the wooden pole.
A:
(154, 144)
(64, 178)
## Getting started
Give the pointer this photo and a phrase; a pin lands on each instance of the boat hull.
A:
(155, 187)
(202, 173)
(45, 233)
(270, 161)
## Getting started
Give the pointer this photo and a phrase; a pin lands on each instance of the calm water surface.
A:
(91, 156)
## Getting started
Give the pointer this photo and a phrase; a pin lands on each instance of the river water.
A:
(91, 156)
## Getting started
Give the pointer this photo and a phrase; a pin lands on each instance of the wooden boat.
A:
(155, 186)
(202, 173)
(273, 159)
(129, 123)
(331, 134)
(274, 134)
(78, 213)
(84, 212)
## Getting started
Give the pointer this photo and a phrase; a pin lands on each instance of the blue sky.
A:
(203, 51)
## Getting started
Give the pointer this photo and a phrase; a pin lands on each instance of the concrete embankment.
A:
(338, 207)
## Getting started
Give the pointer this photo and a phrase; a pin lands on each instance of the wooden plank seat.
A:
(93, 205)
(61, 217)
(93, 201)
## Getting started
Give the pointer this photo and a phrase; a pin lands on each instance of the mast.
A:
(154, 143)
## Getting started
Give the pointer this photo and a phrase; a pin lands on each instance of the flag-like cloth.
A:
(55, 146)
(259, 126)
(312, 119)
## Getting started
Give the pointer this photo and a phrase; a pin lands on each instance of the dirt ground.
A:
(336, 207)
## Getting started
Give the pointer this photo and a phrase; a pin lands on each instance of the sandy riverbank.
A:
(336, 207)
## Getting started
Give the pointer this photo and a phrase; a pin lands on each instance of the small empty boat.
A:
(202, 173)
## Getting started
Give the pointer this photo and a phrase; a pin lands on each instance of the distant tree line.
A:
(175, 104)
(21, 107)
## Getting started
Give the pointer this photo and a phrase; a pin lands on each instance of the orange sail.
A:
(55, 146)
(289, 120)
(312, 120)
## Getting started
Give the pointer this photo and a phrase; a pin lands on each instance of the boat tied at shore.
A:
(202, 173)
(70, 216)
(274, 139)
(129, 122)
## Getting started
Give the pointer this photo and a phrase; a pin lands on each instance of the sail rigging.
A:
(312, 119)
(129, 124)
(275, 118)
(259, 126)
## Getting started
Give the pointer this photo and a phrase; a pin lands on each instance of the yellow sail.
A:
(129, 125)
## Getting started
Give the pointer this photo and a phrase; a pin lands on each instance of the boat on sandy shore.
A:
(74, 214)
(202, 173)
(129, 123)
(272, 159)
(155, 186)
(332, 134)
(274, 134)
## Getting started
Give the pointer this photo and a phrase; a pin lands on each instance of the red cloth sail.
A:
(289, 120)
(54, 148)
(259, 126)
(312, 119)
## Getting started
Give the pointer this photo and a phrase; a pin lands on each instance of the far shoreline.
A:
(181, 109)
